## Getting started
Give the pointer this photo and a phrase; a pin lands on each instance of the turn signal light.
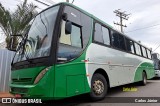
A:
(40, 75)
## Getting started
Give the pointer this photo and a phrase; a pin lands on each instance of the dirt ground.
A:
(5, 94)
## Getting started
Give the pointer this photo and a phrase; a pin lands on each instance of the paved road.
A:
(152, 89)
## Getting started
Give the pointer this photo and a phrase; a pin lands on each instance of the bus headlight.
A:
(40, 75)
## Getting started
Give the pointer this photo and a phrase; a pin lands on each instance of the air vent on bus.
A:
(21, 79)
(19, 90)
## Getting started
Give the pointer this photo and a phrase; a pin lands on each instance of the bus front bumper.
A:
(28, 90)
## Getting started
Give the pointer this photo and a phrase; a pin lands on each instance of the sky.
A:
(143, 23)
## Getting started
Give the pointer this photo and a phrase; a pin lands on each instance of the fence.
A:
(5, 69)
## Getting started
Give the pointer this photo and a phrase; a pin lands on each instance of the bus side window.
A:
(73, 39)
(114, 39)
(130, 45)
(106, 37)
(98, 37)
(138, 49)
(118, 40)
(70, 45)
(76, 37)
(149, 54)
(121, 42)
(144, 51)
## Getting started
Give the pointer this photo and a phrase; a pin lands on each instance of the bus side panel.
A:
(117, 64)
(148, 68)
(71, 79)
(121, 67)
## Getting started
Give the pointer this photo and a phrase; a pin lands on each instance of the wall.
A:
(5, 69)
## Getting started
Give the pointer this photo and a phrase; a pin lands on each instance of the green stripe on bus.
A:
(148, 68)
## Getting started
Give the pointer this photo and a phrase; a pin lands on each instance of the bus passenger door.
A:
(70, 74)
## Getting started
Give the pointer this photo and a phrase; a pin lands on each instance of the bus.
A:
(156, 60)
(66, 51)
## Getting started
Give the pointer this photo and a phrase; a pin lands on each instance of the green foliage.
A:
(13, 23)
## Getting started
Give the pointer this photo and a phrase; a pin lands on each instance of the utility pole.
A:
(121, 15)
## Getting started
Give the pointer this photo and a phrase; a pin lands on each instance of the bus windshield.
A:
(39, 37)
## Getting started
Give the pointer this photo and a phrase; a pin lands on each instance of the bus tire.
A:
(99, 87)
(144, 79)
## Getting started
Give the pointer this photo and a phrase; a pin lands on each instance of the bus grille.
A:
(22, 80)
(19, 90)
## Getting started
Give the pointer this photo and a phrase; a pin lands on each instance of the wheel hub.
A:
(98, 87)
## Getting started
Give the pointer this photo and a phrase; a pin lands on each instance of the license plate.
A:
(17, 95)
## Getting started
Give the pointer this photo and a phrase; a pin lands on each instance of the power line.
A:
(155, 44)
(49, 1)
(42, 2)
(142, 28)
(156, 48)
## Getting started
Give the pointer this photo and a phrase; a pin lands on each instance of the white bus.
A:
(70, 52)
(156, 60)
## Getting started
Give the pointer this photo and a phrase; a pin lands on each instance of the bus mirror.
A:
(68, 27)
(65, 16)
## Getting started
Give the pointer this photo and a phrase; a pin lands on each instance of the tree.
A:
(13, 23)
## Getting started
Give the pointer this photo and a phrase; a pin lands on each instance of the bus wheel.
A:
(144, 78)
(99, 87)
